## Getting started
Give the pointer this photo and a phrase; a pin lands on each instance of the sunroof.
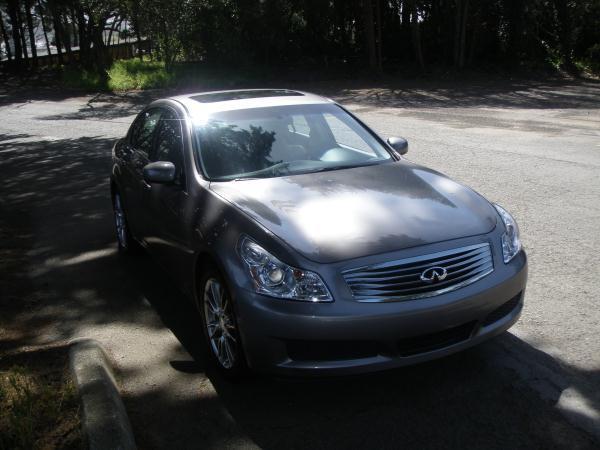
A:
(242, 95)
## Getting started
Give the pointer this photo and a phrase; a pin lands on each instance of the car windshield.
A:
(283, 140)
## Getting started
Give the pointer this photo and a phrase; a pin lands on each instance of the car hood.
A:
(343, 214)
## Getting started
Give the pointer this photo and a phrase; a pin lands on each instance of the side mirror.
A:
(400, 145)
(159, 172)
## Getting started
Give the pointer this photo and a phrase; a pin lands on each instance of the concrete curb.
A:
(104, 419)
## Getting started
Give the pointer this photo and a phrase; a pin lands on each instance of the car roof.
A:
(205, 103)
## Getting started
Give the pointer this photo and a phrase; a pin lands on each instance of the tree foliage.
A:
(375, 33)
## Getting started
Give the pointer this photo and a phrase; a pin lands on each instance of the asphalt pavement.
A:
(532, 147)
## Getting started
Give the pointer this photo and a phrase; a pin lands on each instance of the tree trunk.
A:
(6, 40)
(57, 37)
(405, 16)
(460, 32)
(565, 33)
(463, 35)
(29, 18)
(457, 22)
(13, 7)
(100, 57)
(369, 30)
(118, 30)
(416, 38)
(66, 36)
(379, 37)
(75, 28)
(405, 24)
(135, 21)
(84, 42)
(22, 35)
(474, 37)
(112, 30)
(516, 12)
(340, 21)
(42, 19)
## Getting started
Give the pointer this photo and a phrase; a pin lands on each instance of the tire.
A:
(125, 240)
(220, 326)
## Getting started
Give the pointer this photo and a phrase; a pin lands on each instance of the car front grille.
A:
(407, 279)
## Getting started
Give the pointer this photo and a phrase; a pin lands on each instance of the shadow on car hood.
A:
(343, 214)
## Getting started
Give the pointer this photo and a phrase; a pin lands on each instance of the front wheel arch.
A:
(206, 262)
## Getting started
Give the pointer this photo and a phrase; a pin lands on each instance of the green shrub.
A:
(82, 79)
(129, 74)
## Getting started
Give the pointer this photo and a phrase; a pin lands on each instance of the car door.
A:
(140, 145)
(165, 203)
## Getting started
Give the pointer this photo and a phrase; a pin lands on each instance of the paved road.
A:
(533, 148)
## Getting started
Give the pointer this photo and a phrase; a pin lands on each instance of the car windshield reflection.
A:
(279, 141)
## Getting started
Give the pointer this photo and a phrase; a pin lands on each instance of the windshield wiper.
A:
(339, 167)
(246, 178)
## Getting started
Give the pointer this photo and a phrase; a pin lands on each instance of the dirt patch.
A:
(17, 295)
(39, 407)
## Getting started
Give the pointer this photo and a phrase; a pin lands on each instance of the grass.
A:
(78, 78)
(123, 75)
(134, 73)
(38, 402)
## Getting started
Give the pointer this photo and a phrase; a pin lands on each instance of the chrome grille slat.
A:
(421, 266)
(419, 284)
(423, 287)
(375, 278)
(401, 279)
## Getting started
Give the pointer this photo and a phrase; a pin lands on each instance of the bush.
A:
(129, 74)
(594, 54)
(82, 79)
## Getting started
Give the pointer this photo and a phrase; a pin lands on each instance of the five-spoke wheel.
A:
(120, 224)
(127, 244)
(220, 325)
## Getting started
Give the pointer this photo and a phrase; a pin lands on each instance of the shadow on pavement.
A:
(488, 92)
(59, 263)
(549, 93)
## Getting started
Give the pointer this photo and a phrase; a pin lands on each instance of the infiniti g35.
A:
(308, 243)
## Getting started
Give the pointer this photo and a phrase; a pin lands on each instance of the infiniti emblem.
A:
(434, 274)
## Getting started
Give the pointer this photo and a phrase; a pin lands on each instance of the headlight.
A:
(511, 243)
(277, 279)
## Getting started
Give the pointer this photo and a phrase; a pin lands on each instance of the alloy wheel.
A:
(220, 323)
(120, 223)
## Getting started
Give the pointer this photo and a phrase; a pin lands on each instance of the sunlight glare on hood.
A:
(321, 218)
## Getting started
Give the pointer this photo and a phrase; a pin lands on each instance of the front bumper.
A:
(346, 336)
